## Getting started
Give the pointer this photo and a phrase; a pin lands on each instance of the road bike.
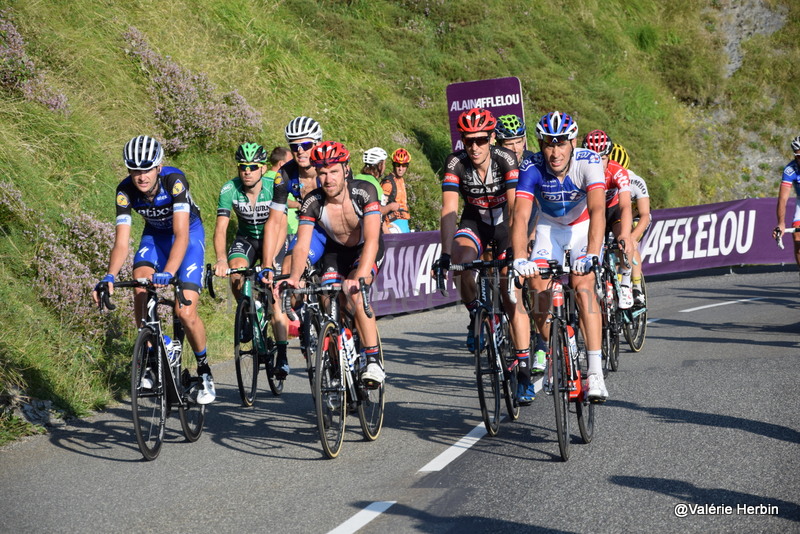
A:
(567, 365)
(495, 359)
(254, 345)
(337, 387)
(160, 379)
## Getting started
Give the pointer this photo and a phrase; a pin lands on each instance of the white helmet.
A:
(303, 128)
(375, 155)
(142, 153)
(796, 143)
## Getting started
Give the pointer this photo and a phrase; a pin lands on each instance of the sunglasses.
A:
(555, 139)
(401, 164)
(304, 146)
(250, 166)
(480, 141)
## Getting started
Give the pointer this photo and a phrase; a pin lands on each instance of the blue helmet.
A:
(509, 127)
(556, 124)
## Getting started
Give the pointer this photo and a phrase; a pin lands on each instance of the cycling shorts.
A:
(613, 216)
(341, 259)
(154, 249)
(481, 234)
(317, 248)
(553, 240)
(245, 247)
(796, 221)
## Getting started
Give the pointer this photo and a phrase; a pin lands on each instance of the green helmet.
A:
(509, 127)
(251, 153)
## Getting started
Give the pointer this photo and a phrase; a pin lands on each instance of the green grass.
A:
(373, 73)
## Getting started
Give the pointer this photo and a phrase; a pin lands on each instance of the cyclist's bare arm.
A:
(626, 220)
(448, 219)
(273, 229)
(519, 227)
(643, 207)
(372, 233)
(220, 235)
(783, 198)
(596, 202)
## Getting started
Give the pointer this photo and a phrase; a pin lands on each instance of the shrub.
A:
(187, 105)
(18, 72)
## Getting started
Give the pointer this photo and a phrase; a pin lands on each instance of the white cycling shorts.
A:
(553, 240)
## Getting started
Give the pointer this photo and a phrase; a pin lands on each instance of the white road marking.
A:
(462, 445)
(363, 517)
(721, 304)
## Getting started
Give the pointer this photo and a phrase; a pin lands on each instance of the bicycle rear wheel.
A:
(245, 352)
(192, 415)
(370, 405)
(636, 331)
(148, 396)
(275, 384)
(487, 372)
(507, 359)
(329, 391)
(560, 388)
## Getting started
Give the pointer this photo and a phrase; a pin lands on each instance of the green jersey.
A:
(251, 218)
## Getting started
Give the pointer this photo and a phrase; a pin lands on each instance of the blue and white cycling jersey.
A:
(561, 202)
(791, 176)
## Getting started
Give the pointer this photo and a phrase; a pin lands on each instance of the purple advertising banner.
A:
(679, 239)
(501, 96)
(713, 235)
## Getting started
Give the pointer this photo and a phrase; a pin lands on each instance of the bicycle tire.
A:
(192, 414)
(245, 353)
(148, 405)
(636, 331)
(371, 405)
(329, 391)
(584, 410)
(487, 372)
(275, 384)
(560, 389)
(310, 331)
(507, 358)
(614, 329)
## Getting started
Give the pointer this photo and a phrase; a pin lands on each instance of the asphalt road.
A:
(703, 420)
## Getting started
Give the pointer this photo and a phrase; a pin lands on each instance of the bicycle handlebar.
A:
(287, 292)
(105, 297)
(779, 237)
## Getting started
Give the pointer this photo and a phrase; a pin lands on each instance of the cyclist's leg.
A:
(148, 259)
(190, 273)
(625, 296)
(550, 243)
(374, 375)
(467, 246)
(241, 254)
(590, 316)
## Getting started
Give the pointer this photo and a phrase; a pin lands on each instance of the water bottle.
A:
(349, 348)
(573, 346)
(173, 350)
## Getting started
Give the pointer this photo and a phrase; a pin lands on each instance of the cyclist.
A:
(394, 189)
(640, 198)
(569, 185)
(791, 178)
(510, 132)
(348, 212)
(279, 157)
(173, 241)
(374, 167)
(485, 176)
(619, 218)
(297, 177)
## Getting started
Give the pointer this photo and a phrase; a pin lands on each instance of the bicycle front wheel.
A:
(370, 406)
(309, 340)
(192, 415)
(329, 391)
(507, 359)
(560, 383)
(487, 372)
(245, 352)
(584, 410)
(636, 331)
(148, 394)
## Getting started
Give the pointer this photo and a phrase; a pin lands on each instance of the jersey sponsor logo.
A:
(227, 187)
(278, 179)
(588, 155)
(178, 188)
(789, 171)
(190, 269)
(122, 200)
(372, 206)
(155, 213)
(561, 196)
(143, 251)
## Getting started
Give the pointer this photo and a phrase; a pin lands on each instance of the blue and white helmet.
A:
(556, 124)
(142, 153)
(796, 143)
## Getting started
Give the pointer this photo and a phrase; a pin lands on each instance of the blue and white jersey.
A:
(561, 202)
(791, 177)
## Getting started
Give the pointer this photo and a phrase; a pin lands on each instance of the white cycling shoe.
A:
(625, 297)
(208, 393)
(597, 388)
(373, 376)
